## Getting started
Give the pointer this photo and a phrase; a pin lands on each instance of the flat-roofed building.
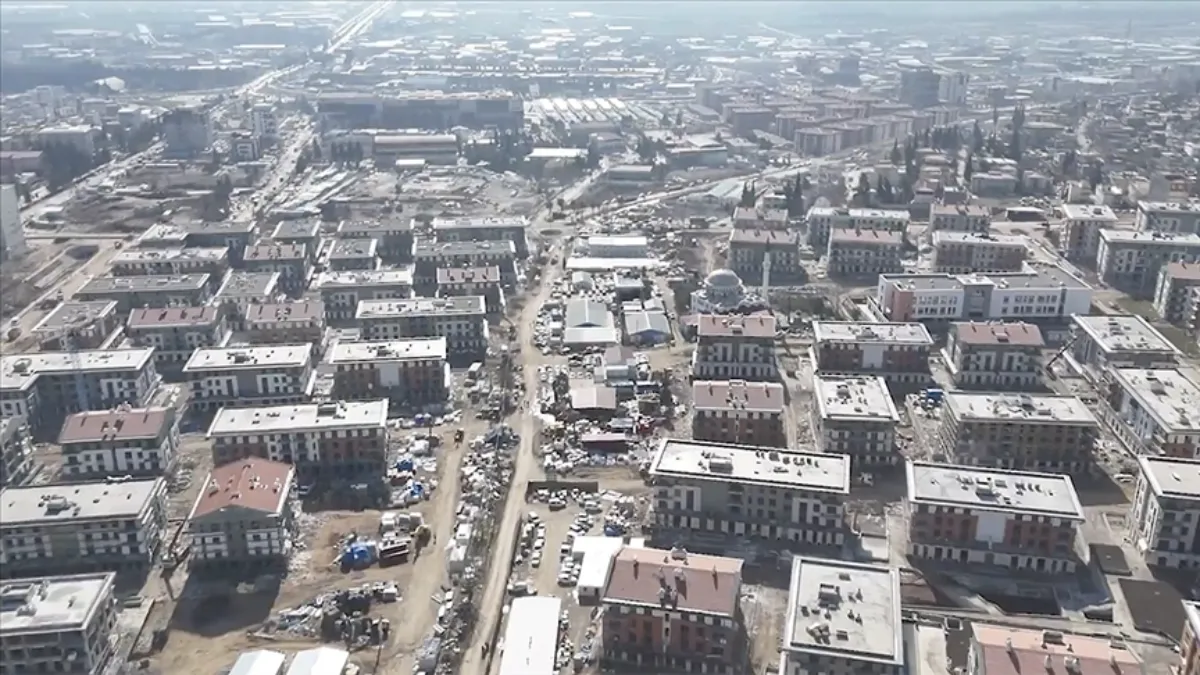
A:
(348, 255)
(285, 322)
(343, 291)
(708, 495)
(124, 442)
(306, 233)
(1015, 519)
(394, 236)
(1166, 504)
(1157, 411)
(897, 352)
(1177, 294)
(736, 411)
(696, 623)
(1081, 227)
(864, 253)
(16, 451)
(242, 518)
(824, 219)
(243, 288)
(175, 333)
(1005, 650)
(429, 256)
(472, 228)
(409, 372)
(969, 218)
(759, 218)
(250, 376)
(735, 347)
(1130, 261)
(322, 440)
(966, 252)
(1042, 432)
(63, 528)
(531, 636)
(290, 261)
(44, 387)
(485, 281)
(842, 617)
(995, 356)
(187, 290)
(84, 324)
(1120, 341)
(857, 417)
(233, 235)
(138, 262)
(750, 249)
(1168, 216)
(462, 320)
(619, 246)
(61, 624)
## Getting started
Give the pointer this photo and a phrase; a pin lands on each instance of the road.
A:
(357, 25)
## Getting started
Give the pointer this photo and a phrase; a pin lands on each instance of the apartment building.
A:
(739, 412)
(695, 622)
(58, 624)
(1166, 511)
(1082, 224)
(154, 292)
(279, 323)
(65, 528)
(242, 289)
(321, 440)
(394, 236)
(16, 451)
(964, 218)
(233, 235)
(1177, 294)
(242, 520)
(82, 324)
(485, 281)
(864, 253)
(290, 261)
(409, 373)
(306, 233)
(341, 292)
(750, 251)
(819, 637)
(175, 332)
(250, 376)
(824, 219)
(967, 252)
(429, 256)
(348, 255)
(1156, 411)
(1025, 432)
(1131, 261)
(897, 352)
(138, 442)
(1044, 293)
(1013, 519)
(712, 494)
(735, 347)
(997, 649)
(1179, 217)
(759, 218)
(462, 320)
(500, 228)
(856, 416)
(43, 387)
(1106, 341)
(172, 262)
(995, 356)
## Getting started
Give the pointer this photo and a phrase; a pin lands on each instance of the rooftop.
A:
(275, 251)
(844, 235)
(253, 483)
(241, 284)
(895, 215)
(1150, 237)
(279, 312)
(409, 349)
(144, 284)
(460, 305)
(1005, 650)
(1168, 396)
(74, 313)
(475, 222)
(1028, 493)
(239, 358)
(735, 325)
(463, 275)
(738, 395)
(67, 503)
(852, 331)
(349, 249)
(1125, 333)
(361, 227)
(51, 604)
(1032, 278)
(1024, 408)
(427, 248)
(763, 237)
(18, 371)
(848, 399)
(953, 237)
(1183, 270)
(300, 418)
(968, 210)
(1171, 207)
(1088, 212)
(647, 577)
(997, 333)
(113, 426)
(531, 636)
(170, 317)
(362, 278)
(296, 229)
(844, 610)
(724, 463)
(1173, 477)
(143, 255)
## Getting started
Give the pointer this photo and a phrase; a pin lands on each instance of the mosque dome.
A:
(722, 278)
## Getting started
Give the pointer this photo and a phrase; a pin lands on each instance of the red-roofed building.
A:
(995, 356)
(735, 347)
(122, 442)
(740, 412)
(1001, 650)
(242, 518)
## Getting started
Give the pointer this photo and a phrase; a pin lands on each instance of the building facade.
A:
(749, 251)
(1176, 298)
(410, 373)
(242, 519)
(897, 352)
(60, 624)
(824, 219)
(965, 218)
(290, 261)
(175, 333)
(856, 416)
(964, 252)
(16, 451)
(739, 412)
(1024, 432)
(249, 376)
(1166, 508)
(735, 347)
(512, 228)
(139, 442)
(279, 323)
(1131, 261)
(148, 292)
(462, 320)
(341, 292)
(864, 253)
(995, 356)
(1156, 411)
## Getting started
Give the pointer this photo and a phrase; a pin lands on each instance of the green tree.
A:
(976, 137)
(895, 157)
(968, 168)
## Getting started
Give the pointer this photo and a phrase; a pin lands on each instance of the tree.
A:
(23, 192)
(862, 191)
(315, 150)
(896, 152)
(1069, 163)
(593, 156)
(968, 168)
(1095, 175)
(679, 119)
(302, 162)
(749, 195)
(976, 137)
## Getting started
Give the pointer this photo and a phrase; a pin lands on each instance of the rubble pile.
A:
(341, 616)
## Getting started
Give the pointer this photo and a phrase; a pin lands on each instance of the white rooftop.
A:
(139, 255)
(66, 503)
(531, 636)
(860, 214)
(402, 276)
(1150, 238)
(849, 399)
(618, 240)
(300, 418)
(388, 350)
(58, 603)
(951, 485)
(1088, 212)
(396, 307)
(1169, 397)
(321, 660)
(1024, 408)
(19, 371)
(145, 284)
(245, 358)
(1172, 477)
(853, 331)
(1125, 333)
(724, 463)
(843, 610)
(475, 222)
(997, 240)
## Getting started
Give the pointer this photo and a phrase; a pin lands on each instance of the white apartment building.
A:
(461, 319)
(1081, 226)
(1120, 341)
(971, 218)
(824, 219)
(242, 518)
(1044, 292)
(64, 528)
(249, 376)
(122, 442)
(1157, 411)
(1176, 217)
(343, 291)
(1130, 261)
(12, 230)
(58, 624)
(856, 416)
(264, 122)
(1166, 511)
